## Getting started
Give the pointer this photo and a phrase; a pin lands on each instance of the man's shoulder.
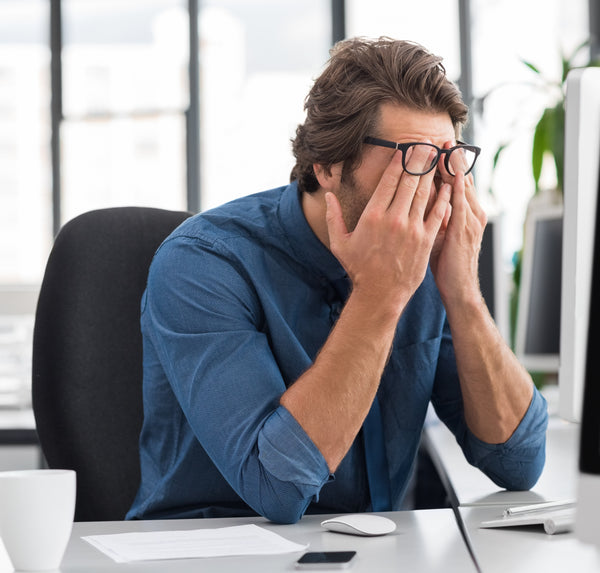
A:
(249, 216)
(230, 240)
(241, 228)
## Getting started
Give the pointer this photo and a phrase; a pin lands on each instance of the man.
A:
(293, 339)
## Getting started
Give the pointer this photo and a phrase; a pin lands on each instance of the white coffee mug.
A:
(36, 516)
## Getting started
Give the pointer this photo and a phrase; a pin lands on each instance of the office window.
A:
(432, 23)
(24, 139)
(125, 94)
(25, 227)
(542, 29)
(257, 60)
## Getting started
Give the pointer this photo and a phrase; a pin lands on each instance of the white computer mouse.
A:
(360, 524)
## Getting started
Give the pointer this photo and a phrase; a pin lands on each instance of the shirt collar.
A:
(305, 244)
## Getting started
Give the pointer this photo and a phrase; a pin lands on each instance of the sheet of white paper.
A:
(187, 544)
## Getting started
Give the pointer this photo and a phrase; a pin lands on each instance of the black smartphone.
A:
(326, 560)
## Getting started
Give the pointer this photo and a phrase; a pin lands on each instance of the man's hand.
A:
(386, 255)
(455, 254)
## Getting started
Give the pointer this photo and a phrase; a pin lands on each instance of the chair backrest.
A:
(87, 352)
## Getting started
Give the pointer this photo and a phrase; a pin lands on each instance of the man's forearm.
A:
(496, 389)
(331, 399)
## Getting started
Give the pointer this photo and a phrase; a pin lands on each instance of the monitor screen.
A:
(582, 150)
(537, 340)
(588, 498)
(492, 275)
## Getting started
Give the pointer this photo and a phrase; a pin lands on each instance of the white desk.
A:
(517, 549)
(425, 541)
(525, 549)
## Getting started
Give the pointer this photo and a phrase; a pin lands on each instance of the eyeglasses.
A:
(462, 154)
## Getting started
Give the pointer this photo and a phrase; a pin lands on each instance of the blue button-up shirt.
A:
(239, 301)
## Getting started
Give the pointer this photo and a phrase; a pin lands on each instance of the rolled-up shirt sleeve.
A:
(515, 464)
(207, 329)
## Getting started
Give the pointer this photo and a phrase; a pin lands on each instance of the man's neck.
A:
(313, 206)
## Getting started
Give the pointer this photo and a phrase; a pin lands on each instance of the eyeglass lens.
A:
(457, 159)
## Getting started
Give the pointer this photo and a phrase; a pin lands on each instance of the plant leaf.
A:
(540, 145)
(531, 66)
(499, 151)
(557, 142)
(566, 68)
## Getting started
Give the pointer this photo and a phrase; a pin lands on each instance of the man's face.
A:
(398, 124)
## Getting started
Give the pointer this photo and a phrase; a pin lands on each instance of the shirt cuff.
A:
(518, 462)
(286, 451)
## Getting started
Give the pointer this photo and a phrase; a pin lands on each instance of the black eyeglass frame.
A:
(404, 147)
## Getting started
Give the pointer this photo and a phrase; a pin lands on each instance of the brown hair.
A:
(342, 107)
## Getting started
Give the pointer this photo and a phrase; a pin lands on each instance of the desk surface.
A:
(525, 549)
(425, 541)
(517, 549)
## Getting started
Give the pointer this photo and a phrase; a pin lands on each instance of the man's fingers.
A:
(458, 161)
(464, 197)
(420, 159)
(472, 199)
(413, 190)
(440, 212)
(432, 197)
(386, 188)
(336, 227)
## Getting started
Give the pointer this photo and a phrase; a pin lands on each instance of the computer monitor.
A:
(582, 152)
(493, 277)
(588, 495)
(537, 340)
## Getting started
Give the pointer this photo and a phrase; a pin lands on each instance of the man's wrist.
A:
(379, 306)
(468, 305)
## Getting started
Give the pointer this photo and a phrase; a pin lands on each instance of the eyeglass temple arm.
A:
(382, 142)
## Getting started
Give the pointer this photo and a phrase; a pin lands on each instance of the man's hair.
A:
(342, 107)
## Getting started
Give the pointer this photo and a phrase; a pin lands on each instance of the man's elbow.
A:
(278, 501)
(522, 480)
(526, 480)
(283, 516)
(285, 513)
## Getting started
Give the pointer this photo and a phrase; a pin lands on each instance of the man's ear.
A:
(328, 176)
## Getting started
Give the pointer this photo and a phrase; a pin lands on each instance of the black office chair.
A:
(87, 353)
